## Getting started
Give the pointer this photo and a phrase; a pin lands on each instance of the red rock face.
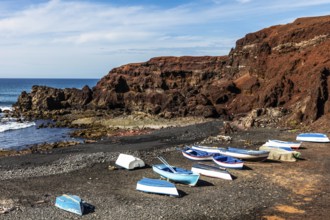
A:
(175, 86)
(281, 66)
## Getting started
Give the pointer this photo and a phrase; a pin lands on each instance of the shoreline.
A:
(266, 190)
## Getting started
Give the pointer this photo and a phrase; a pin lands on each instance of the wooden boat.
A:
(194, 154)
(244, 154)
(211, 171)
(227, 161)
(206, 148)
(285, 145)
(313, 137)
(157, 186)
(176, 174)
(70, 203)
(129, 162)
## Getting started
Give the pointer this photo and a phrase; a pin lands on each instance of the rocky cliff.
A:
(281, 66)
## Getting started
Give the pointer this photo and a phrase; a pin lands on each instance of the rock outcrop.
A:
(285, 66)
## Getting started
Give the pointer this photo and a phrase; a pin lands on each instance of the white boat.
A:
(228, 162)
(235, 152)
(193, 154)
(211, 171)
(313, 137)
(157, 186)
(129, 162)
(244, 153)
(282, 144)
(206, 148)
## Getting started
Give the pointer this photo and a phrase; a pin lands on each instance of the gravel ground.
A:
(263, 190)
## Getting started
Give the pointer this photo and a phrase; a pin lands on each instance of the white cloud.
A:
(79, 36)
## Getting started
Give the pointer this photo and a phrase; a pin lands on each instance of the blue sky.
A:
(87, 38)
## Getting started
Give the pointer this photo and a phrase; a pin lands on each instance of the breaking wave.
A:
(7, 124)
(3, 108)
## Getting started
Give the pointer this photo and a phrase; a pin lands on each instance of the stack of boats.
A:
(223, 158)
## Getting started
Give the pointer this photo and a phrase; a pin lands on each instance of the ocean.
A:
(17, 135)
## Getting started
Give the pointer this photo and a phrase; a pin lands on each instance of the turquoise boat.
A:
(176, 174)
(70, 203)
(157, 186)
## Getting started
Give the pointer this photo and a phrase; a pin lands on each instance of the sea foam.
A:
(7, 124)
(6, 108)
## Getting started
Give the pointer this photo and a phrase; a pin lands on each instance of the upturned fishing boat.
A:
(129, 162)
(211, 171)
(285, 145)
(70, 203)
(157, 186)
(206, 148)
(313, 137)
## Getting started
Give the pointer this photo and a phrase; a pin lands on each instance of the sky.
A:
(87, 38)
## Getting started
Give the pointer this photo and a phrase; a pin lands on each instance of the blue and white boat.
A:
(285, 145)
(227, 161)
(194, 154)
(211, 171)
(157, 186)
(176, 174)
(244, 153)
(70, 203)
(313, 137)
(208, 149)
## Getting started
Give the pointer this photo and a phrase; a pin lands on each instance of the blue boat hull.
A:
(181, 175)
(70, 203)
(157, 186)
(228, 162)
(313, 137)
(194, 154)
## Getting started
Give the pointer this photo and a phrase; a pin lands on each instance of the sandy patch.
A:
(273, 217)
(289, 209)
(296, 181)
(307, 199)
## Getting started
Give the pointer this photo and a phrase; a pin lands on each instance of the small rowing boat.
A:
(175, 174)
(227, 161)
(157, 186)
(244, 153)
(194, 154)
(313, 137)
(206, 148)
(211, 171)
(285, 145)
(178, 174)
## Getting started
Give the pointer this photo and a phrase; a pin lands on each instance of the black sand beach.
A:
(263, 190)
